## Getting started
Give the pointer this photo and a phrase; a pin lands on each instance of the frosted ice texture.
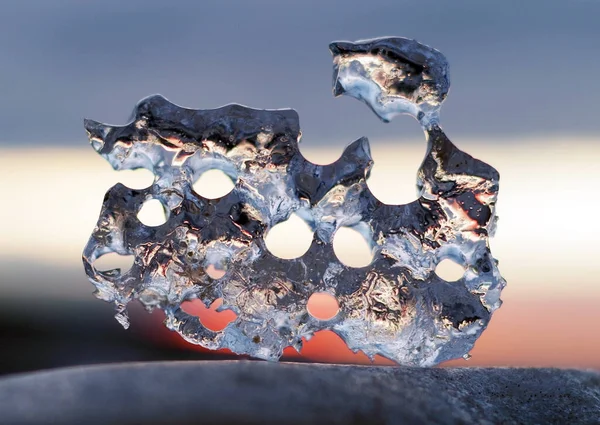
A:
(397, 306)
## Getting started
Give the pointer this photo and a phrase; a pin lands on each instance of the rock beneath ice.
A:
(266, 393)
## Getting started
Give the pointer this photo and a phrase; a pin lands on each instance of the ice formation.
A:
(397, 306)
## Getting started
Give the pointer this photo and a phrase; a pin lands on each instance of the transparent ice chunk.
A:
(397, 306)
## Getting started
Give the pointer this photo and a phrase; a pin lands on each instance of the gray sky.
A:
(517, 67)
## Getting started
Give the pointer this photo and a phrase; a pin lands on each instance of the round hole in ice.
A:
(322, 306)
(113, 261)
(139, 178)
(213, 184)
(152, 213)
(449, 270)
(351, 247)
(289, 239)
(214, 272)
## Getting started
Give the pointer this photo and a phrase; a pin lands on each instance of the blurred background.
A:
(523, 98)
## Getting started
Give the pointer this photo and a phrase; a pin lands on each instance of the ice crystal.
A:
(397, 306)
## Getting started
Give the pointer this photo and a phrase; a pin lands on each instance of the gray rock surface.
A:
(246, 392)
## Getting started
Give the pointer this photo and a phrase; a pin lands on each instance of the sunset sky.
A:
(544, 243)
(523, 98)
